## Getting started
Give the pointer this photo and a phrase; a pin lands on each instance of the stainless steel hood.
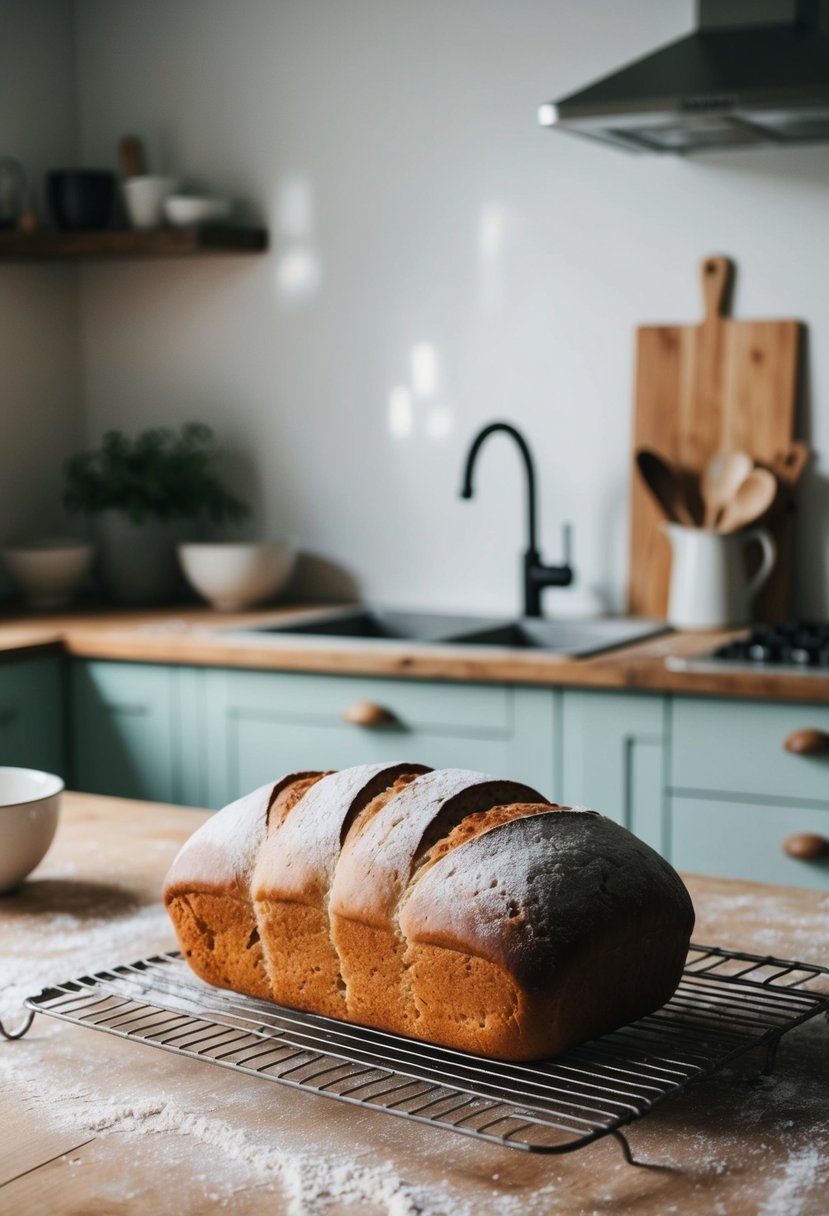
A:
(754, 72)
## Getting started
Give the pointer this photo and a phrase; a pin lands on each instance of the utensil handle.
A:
(769, 548)
(131, 156)
(717, 273)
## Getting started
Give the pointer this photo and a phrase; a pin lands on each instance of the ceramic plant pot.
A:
(138, 561)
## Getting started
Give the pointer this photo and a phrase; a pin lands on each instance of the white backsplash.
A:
(438, 262)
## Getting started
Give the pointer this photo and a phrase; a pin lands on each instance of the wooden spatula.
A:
(720, 480)
(131, 156)
(665, 484)
(750, 502)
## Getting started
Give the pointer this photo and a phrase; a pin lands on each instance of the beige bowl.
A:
(236, 575)
(29, 806)
(48, 572)
(185, 210)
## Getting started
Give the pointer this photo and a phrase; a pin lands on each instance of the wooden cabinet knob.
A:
(807, 742)
(368, 713)
(806, 846)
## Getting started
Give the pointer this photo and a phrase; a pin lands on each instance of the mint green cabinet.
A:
(134, 730)
(746, 839)
(705, 781)
(737, 793)
(31, 714)
(261, 724)
(739, 747)
(204, 736)
(613, 758)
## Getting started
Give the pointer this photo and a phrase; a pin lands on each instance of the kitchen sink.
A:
(574, 637)
(382, 624)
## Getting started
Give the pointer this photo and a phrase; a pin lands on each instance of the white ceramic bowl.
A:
(184, 210)
(48, 572)
(234, 575)
(144, 199)
(29, 806)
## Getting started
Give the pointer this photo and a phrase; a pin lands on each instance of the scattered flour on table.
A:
(788, 1107)
(806, 933)
(790, 1193)
(316, 1173)
(62, 946)
(312, 1178)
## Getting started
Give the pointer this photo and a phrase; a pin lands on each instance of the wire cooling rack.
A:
(727, 1004)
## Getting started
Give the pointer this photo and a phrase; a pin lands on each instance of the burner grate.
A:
(726, 1004)
(794, 646)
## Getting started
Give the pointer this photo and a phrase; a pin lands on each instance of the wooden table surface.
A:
(93, 1124)
(200, 637)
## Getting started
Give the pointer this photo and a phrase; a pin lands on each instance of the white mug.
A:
(709, 585)
(144, 199)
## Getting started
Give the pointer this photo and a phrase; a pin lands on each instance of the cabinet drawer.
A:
(739, 747)
(743, 840)
(263, 723)
(457, 709)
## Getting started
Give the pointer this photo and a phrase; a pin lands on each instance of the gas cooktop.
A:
(801, 646)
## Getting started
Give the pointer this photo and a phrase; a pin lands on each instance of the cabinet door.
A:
(739, 747)
(31, 714)
(261, 724)
(745, 840)
(125, 730)
(613, 758)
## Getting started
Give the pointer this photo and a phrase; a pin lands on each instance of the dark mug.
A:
(81, 199)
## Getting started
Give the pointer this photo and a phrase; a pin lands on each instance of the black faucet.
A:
(537, 576)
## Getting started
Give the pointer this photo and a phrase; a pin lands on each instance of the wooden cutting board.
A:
(718, 385)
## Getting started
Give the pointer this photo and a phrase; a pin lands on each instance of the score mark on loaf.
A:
(444, 904)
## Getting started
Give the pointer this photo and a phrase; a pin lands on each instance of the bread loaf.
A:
(207, 890)
(447, 905)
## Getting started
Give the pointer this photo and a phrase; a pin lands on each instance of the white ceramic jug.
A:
(709, 585)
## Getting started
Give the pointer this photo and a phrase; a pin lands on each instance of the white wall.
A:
(392, 148)
(40, 418)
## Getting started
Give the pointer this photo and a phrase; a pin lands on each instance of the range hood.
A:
(754, 72)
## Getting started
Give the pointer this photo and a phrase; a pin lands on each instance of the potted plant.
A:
(145, 494)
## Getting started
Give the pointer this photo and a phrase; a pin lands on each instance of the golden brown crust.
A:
(285, 798)
(536, 892)
(384, 849)
(373, 953)
(207, 890)
(293, 877)
(448, 906)
(476, 824)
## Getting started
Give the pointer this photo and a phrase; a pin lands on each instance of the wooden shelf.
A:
(130, 243)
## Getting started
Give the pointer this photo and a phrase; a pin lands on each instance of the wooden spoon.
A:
(750, 501)
(720, 480)
(665, 484)
(131, 156)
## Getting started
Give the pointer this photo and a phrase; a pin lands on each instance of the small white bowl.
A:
(48, 572)
(186, 210)
(234, 575)
(29, 806)
(144, 199)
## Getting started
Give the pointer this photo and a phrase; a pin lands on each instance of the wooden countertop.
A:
(194, 635)
(94, 1123)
